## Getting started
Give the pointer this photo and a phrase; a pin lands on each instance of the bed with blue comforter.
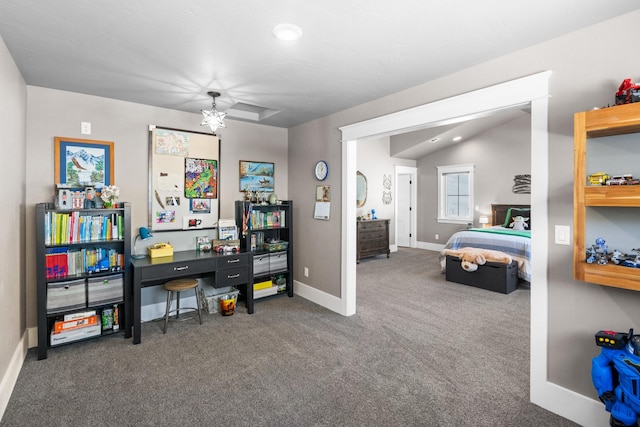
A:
(499, 237)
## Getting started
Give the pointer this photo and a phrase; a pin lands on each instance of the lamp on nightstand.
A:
(484, 220)
(143, 234)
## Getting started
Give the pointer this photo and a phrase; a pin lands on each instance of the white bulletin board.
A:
(184, 176)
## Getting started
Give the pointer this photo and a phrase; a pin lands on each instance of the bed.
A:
(499, 237)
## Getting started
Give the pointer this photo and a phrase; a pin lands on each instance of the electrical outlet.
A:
(306, 272)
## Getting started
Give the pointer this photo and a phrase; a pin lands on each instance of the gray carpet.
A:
(419, 352)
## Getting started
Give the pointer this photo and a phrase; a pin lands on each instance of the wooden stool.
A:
(177, 286)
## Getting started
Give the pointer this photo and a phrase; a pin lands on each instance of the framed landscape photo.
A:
(256, 176)
(83, 162)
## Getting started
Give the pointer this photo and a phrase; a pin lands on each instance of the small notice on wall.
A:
(322, 210)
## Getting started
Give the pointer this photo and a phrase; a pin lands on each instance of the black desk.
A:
(227, 269)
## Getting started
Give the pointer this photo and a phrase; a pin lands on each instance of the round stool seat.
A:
(178, 285)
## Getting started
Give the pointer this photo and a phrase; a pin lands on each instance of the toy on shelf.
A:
(627, 92)
(598, 252)
(598, 178)
(626, 179)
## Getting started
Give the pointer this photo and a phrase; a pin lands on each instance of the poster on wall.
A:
(184, 176)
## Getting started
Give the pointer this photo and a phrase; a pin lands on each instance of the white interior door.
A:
(404, 213)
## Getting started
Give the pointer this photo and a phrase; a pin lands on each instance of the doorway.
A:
(405, 207)
(532, 91)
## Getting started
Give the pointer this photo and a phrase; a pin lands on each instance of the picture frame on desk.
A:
(256, 176)
(79, 163)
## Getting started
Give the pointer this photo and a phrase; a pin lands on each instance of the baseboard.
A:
(316, 296)
(10, 377)
(430, 246)
(573, 406)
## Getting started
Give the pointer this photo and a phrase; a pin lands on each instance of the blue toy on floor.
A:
(615, 373)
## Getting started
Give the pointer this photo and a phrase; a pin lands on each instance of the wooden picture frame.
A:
(256, 176)
(82, 162)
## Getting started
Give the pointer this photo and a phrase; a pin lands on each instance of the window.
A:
(455, 194)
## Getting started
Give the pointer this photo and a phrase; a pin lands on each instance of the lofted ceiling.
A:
(169, 54)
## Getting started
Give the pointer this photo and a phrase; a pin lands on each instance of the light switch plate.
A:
(563, 235)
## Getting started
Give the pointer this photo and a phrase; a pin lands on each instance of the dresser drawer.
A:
(232, 276)
(235, 260)
(370, 226)
(177, 269)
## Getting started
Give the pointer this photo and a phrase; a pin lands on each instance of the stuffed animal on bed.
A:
(519, 223)
(473, 257)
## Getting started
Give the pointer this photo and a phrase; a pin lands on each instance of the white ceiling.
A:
(169, 53)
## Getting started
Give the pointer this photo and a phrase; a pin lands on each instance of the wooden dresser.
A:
(373, 238)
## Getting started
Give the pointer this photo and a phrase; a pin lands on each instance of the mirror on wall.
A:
(361, 189)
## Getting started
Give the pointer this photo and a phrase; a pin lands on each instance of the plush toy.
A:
(519, 223)
(473, 257)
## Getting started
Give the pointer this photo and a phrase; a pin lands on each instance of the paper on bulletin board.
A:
(322, 210)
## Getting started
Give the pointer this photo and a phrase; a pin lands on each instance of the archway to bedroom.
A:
(531, 91)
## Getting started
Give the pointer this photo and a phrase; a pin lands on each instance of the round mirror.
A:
(361, 189)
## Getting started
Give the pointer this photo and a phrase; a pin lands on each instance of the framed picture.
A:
(82, 162)
(323, 193)
(256, 176)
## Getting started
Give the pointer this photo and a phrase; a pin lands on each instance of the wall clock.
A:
(322, 170)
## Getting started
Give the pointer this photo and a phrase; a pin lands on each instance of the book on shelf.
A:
(67, 325)
(70, 227)
(79, 315)
(75, 334)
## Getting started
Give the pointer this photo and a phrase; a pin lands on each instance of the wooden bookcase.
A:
(610, 123)
(68, 277)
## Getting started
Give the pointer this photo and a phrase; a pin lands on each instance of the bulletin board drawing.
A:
(183, 179)
(200, 178)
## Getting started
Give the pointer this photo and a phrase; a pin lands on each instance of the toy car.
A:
(598, 178)
(626, 179)
(627, 92)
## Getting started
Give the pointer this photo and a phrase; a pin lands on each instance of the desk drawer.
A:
(177, 269)
(232, 276)
(231, 261)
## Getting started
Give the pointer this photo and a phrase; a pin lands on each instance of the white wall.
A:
(58, 113)
(587, 70)
(374, 162)
(13, 112)
(498, 155)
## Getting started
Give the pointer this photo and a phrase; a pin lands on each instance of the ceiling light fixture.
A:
(213, 118)
(287, 32)
(457, 138)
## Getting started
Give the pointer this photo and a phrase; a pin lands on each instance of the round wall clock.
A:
(322, 170)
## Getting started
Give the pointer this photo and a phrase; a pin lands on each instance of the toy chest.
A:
(493, 276)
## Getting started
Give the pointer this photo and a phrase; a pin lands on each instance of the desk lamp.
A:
(143, 234)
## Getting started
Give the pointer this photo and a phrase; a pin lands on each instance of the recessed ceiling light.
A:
(287, 31)
(457, 138)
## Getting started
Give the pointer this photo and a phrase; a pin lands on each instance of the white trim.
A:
(413, 171)
(531, 90)
(10, 377)
(319, 297)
